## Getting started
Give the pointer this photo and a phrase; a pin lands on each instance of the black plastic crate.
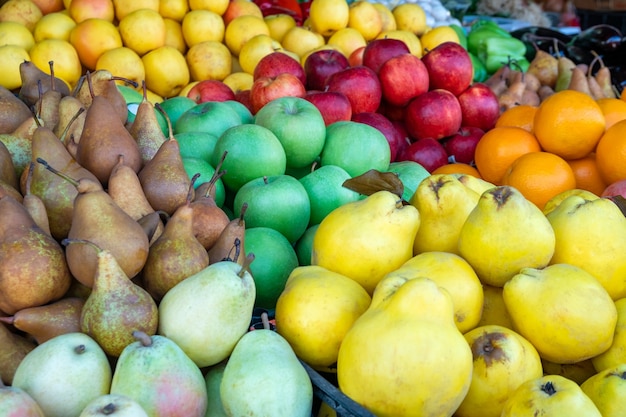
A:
(590, 18)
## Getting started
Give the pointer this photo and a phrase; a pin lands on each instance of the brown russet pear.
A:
(545, 67)
(579, 81)
(176, 254)
(102, 83)
(9, 190)
(7, 169)
(164, 179)
(103, 139)
(71, 120)
(13, 111)
(13, 348)
(230, 244)
(31, 76)
(96, 218)
(152, 224)
(116, 306)
(33, 269)
(35, 205)
(47, 106)
(47, 321)
(146, 128)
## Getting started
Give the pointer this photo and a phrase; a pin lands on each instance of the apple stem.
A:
(265, 179)
(143, 338)
(246, 265)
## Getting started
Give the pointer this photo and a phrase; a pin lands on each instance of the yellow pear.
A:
(616, 354)
(558, 199)
(494, 309)
(477, 184)
(503, 360)
(562, 310)
(550, 395)
(607, 390)
(314, 312)
(444, 203)
(366, 239)
(578, 372)
(455, 275)
(504, 233)
(404, 357)
(591, 234)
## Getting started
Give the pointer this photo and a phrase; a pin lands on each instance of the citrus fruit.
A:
(614, 110)
(457, 168)
(611, 153)
(587, 174)
(519, 116)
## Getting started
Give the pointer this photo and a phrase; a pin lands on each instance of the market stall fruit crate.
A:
(594, 12)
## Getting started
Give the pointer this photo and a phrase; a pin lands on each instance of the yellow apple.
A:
(243, 28)
(346, 40)
(167, 72)
(142, 30)
(607, 389)
(301, 40)
(328, 16)
(255, 49)
(410, 38)
(239, 81)
(364, 17)
(279, 24)
(24, 12)
(616, 354)
(173, 9)
(202, 25)
(209, 60)
(92, 37)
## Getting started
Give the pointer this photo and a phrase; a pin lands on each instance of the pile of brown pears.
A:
(98, 217)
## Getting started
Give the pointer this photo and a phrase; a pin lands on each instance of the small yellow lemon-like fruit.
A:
(123, 62)
(255, 49)
(279, 24)
(209, 60)
(386, 17)
(409, 38)
(166, 71)
(216, 6)
(564, 326)
(494, 309)
(239, 81)
(328, 16)
(173, 9)
(66, 62)
(616, 354)
(301, 40)
(24, 12)
(143, 30)
(124, 7)
(201, 26)
(54, 26)
(607, 390)
(13, 33)
(347, 40)
(411, 17)
(11, 56)
(436, 36)
(243, 28)
(174, 35)
(365, 18)
(92, 37)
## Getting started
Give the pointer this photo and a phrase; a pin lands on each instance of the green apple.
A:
(278, 201)
(304, 246)
(244, 112)
(196, 144)
(130, 94)
(132, 112)
(356, 147)
(411, 174)
(274, 259)
(175, 106)
(253, 151)
(212, 117)
(206, 171)
(299, 126)
(326, 191)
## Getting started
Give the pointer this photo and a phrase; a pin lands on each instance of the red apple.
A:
(461, 146)
(378, 51)
(210, 90)
(427, 152)
(615, 189)
(319, 65)
(266, 89)
(276, 63)
(402, 78)
(391, 111)
(243, 96)
(360, 84)
(435, 114)
(449, 67)
(479, 106)
(333, 105)
(356, 57)
(380, 122)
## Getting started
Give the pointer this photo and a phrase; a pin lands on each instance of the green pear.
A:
(156, 373)
(64, 374)
(15, 401)
(116, 405)
(207, 313)
(264, 363)
(213, 380)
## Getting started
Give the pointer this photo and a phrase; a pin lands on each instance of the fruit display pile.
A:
(204, 204)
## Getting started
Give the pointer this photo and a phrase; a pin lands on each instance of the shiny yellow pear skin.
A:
(456, 276)
(562, 310)
(494, 309)
(550, 395)
(366, 239)
(558, 199)
(404, 357)
(477, 184)
(503, 360)
(504, 233)
(444, 204)
(607, 390)
(314, 312)
(591, 234)
(616, 354)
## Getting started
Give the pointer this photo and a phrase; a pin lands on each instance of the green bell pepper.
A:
(481, 33)
(497, 51)
(480, 72)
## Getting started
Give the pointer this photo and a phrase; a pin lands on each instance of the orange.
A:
(539, 176)
(499, 147)
(519, 116)
(613, 109)
(569, 123)
(587, 174)
(457, 168)
(611, 153)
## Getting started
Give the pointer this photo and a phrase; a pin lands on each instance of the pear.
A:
(354, 238)
(35, 205)
(443, 203)
(230, 244)
(116, 306)
(607, 390)
(102, 83)
(152, 225)
(261, 361)
(170, 383)
(405, 352)
(213, 380)
(602, 252)
(7, 169)
(13, 111)
(20, 149)
(603, 78)
(64, 374)
(96, 218)
(579, 81)
(176, 254)
(71, 120)
(565, 67)
(615, 354)
(33, 269)
(13, 349)
(116, 405)
(7, 190)
(544, 66)
(146, 128)
(32, 76)
(212, 307)
(50, 320)
(16, 402)
(504, 233)
(47, 106)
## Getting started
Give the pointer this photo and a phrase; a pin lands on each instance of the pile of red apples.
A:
(428, 108)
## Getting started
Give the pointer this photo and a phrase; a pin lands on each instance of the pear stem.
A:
(245, 267)
(51, 65)
(143, 338)
(170, 128)
(265, 320)
(72, 120)
(67, 241)
(190, 192)
(242, 212)
(80, 349)
(8, 320)
(59, 173)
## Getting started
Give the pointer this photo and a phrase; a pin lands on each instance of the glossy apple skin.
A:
(360, 84)
(333, 105)
(266, 89)
(449, 67)
(479, 106)
(615, 189)
(210, 90)
(428, 152)
(435, 114)
(276, 63)
(394, 136)
(319, 65)
(378, 51)
(403, 78)
(462, 145)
